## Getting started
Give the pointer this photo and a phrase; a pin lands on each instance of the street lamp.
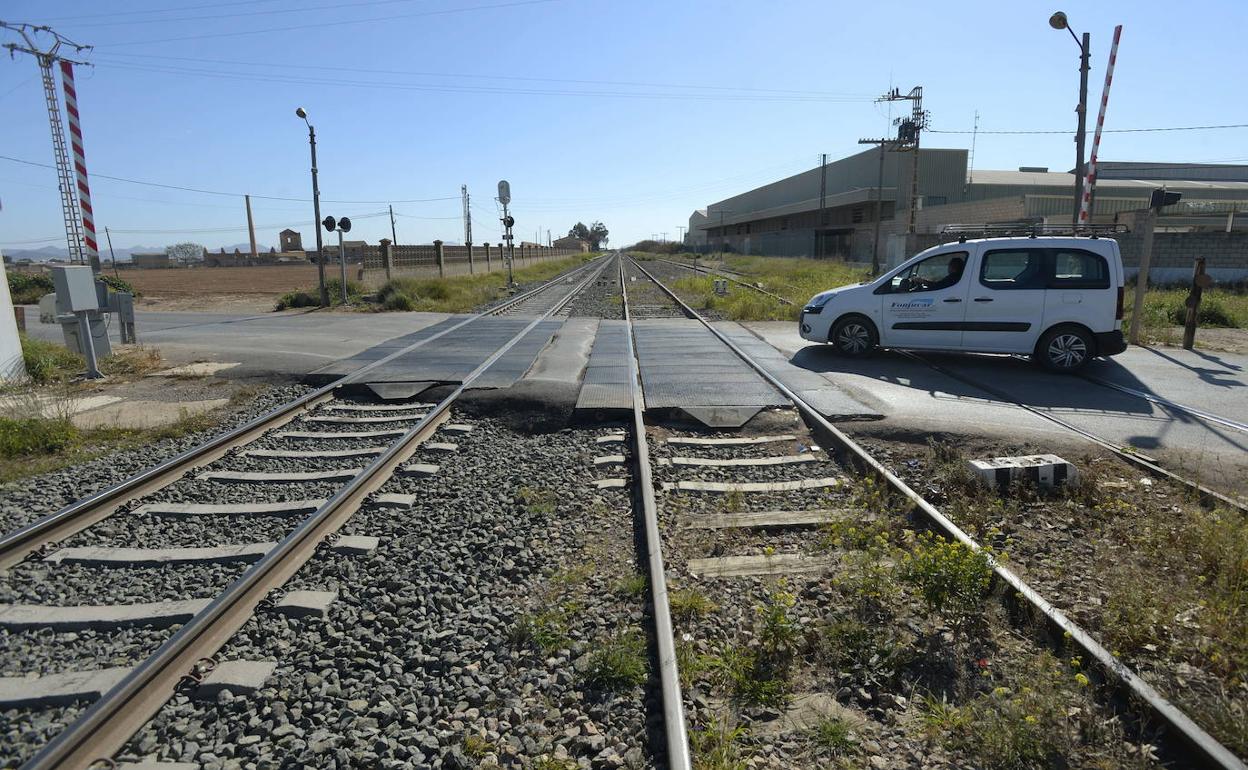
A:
(316, 210)
(1059, 21)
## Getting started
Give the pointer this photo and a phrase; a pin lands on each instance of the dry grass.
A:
(207, 281)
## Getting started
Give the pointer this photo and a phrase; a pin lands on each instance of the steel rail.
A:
(17, 544)
(113, 719)
(1147, 464)
(678, 757)
(1207, 751)
(1190, 410)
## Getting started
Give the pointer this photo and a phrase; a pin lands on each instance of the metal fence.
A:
(381, 263)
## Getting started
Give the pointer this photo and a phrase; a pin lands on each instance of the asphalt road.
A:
(916, 397)
(290, 343)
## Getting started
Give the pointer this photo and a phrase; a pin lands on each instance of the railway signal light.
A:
(509, 221)
(344, 225)
(329, 223)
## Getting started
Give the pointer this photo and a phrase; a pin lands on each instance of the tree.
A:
(185, 252)
(595, 234)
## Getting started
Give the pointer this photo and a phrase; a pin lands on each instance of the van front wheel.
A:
(1065, 349)
(853, 336)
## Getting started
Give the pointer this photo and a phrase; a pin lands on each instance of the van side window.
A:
(1078, 269)
(1014, 269)
(936, 272)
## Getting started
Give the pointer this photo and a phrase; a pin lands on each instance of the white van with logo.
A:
(1057, 299)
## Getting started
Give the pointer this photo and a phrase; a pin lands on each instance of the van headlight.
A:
(815, 306)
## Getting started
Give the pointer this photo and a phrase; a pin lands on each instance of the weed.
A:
(779, 633)
(868, 582)
(573, 575)
(718, 747)
(618, 664)
(862, 653)
(476, 747)
(733, 501)
(461, 293)
(26, 436)
(832, 736)
(690, 664)
(689, 604)
(47, 362)
(745, 675)
(298, 298)
(131, 361)
(538, 502)
(634, 585)
(952, 578)
(28, 288)
(547, 762)
(545, 631)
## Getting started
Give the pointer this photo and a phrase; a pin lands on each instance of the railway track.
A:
(234, 518)
(735, 514)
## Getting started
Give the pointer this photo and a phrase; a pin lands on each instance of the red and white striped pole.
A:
(1089, 181)
(80, 166)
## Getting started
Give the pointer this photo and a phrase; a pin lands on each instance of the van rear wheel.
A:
(1065, 349)
(853, 336)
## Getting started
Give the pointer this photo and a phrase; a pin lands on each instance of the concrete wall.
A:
(932, 218)
(1226, 254)
(421, 261)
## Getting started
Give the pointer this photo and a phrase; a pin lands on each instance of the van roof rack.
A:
(1029, 229)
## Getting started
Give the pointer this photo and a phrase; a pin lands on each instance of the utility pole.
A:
(909, 131)
(251, 227)
(879, 206)
(112, 255)
(467, 201)
(394, 238)
(823, 191)
(680, 232)
(82, 246)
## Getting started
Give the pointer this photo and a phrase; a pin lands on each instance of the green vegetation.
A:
(619, 663)
(462, 293)
(634, 585)
(545, 631)
(539, 503)
(689, 605)
(312, 297)
(833, 737)
(795, 279)
(952, 578)
(476, 747)
(22, 436)
(718, 747)
(1164, 309)
(27, 288)
(49, 363)
(119, 284)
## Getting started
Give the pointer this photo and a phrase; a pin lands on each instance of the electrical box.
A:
(75, 288)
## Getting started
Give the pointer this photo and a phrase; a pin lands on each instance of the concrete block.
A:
(711, 462)
(287, 508)
(58, 689)
(610, 438)
(394, 500)
(375, 407)
(457, 428)
(610, 483)
(608, 460)
(751, 486)
(306, 604)
(440, 446)
(364, 420)
(156, 764)
(743, 566)
(1041, 470)
(153, 614)
(201, 369)
(323, 435)
(751, 519)
(300, 454)
(96, 555)
(240, 677)
(356, 544)
(420, 469)
(284, 477)
(735, 441)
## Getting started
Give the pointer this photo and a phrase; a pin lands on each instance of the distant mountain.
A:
(49, 253)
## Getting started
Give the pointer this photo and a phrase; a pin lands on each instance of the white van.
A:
(1057, 299)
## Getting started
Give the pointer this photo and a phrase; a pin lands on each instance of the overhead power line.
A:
(276, 11)
(321, 24)
(1106, 131)
(219, 192)
(231, 229)
(252, 77)
(419, 73)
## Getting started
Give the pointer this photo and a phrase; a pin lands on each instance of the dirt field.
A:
(228, 289)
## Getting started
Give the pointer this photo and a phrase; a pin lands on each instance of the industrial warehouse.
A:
(860, 206)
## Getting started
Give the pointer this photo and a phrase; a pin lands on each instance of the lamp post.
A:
(316, 210)
(1059, 21)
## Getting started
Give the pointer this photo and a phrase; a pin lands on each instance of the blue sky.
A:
(632, 112)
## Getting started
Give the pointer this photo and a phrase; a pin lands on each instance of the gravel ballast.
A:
(429, 656)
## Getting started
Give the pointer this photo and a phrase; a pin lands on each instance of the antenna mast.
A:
(82, 245)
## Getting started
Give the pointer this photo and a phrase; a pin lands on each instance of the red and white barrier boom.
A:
(1089, 181)
(80, 164)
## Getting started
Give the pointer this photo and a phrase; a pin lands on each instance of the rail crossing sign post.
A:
(340, 226)
(504, 197)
